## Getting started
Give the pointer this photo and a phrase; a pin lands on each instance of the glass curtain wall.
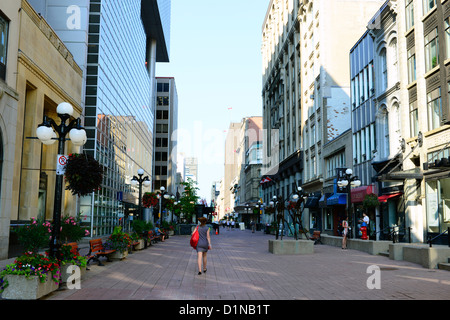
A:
(119, 112)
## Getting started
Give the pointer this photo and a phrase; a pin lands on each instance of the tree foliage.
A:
(189, 198)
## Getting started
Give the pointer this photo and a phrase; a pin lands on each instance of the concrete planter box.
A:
(65, 274)
(294, 247)
(140, 245)
(118, 255)
(369, 246)
(426, 256)
(21, 288)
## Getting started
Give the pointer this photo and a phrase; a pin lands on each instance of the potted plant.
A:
(30, 277)
(71, 229)
(83, 174)
(70, 258)
(140, 229)
(119, 241)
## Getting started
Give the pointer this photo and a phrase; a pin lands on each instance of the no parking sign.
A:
(61, 162)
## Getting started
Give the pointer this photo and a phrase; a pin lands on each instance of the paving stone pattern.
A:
(241, 268)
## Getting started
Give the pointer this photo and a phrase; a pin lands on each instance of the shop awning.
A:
(359, 193)
(337, 198)
(386, 197)
(312, 202)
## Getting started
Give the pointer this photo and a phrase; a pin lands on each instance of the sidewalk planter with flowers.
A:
(30, 277)
(69, 260)
(119, 241)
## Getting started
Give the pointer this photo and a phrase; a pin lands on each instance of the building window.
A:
(393, 62)
(162, 87)
(162, 114)
(431, 50)
(428, 5)
(384, 74)
(414, 118)
(162, 101)
(434, 107)
(447, 37)
(411, 65)
(371, 88)
(160, 156)
(409, 14)
(3, 46)
(162, 128)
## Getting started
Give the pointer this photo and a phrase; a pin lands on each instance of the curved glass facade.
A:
(119, 112)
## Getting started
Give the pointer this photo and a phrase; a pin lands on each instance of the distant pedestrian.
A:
(204, 244)
(228, 225)
(253, 226)
(344, 233)
(232, 224)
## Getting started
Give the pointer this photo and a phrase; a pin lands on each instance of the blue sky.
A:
(215, 58)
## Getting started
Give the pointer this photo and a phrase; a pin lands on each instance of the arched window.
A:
(383, 70)
(393, 62)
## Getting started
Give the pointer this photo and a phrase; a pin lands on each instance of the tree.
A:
(189, 198)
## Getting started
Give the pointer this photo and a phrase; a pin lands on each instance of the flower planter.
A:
(65, 274)
(118, 255)
(21, 288)
(171, 232)
(140, 245)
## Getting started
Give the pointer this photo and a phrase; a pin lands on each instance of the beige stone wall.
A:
(8, 119)
(46, 76)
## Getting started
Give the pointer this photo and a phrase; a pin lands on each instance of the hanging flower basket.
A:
(150, 199)
(84, 174)
(371, 201)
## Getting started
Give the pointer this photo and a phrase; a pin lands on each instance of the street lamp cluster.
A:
(346, 182)
(45, 132)
(145, 181)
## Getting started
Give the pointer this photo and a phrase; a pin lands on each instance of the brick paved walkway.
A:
(241, 268)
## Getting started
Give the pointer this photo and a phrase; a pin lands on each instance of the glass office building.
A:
(117, 44)
(119, 106)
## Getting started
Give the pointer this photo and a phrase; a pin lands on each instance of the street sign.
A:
(61, 161)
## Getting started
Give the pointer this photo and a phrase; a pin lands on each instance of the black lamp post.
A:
(140, 181)
(47, 135)
(348, 181)
(163, 194)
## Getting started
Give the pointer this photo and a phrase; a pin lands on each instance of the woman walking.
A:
(204, 244)
(344, 233)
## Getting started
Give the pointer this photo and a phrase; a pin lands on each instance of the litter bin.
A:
(242, 225)
(267, 229)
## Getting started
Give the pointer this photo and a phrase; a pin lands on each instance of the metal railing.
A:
(430, 240)
(394, 233)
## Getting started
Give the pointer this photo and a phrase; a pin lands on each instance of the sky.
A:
(215, 58)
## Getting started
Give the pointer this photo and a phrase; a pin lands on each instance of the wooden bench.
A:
(152, 237)
(74, 248)
(97, 250)
(316, 237)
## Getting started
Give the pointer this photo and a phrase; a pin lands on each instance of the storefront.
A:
(337, 204)
(437, 195)
(438, 207)
(358, 195)
(315, 219)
